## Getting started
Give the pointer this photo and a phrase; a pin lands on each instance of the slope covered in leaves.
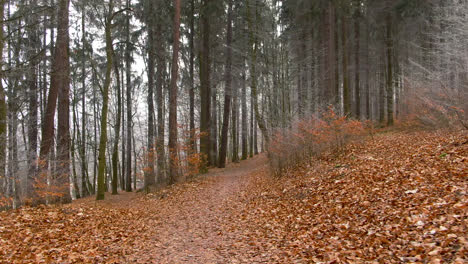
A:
(394, 198)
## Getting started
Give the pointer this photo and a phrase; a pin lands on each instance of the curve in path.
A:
(189, 226)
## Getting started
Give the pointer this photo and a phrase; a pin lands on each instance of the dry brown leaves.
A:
(90, 234)
(395, 199)
(392, 199)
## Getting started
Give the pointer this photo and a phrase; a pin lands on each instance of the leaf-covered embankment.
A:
(395, 198)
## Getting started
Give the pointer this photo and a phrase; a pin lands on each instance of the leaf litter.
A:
(396, 198)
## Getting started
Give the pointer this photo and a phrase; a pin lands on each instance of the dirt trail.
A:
(183, 223)
(188, 227)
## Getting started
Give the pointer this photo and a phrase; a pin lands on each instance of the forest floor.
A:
(396, 197)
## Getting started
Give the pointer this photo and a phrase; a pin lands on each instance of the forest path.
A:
(374, 202)
(190, 217)
(187, 222)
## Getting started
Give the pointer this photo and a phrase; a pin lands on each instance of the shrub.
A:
(435, 106)
(308, 138)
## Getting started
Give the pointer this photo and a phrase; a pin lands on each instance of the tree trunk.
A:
(389, 44)
(235, 125)
(205, 86)
(193, 141)
(149, 171)
(330, 94)
(59, 83)
(228, 90)
(235, 113)
(13, 179)
(124, 139)
(245, 151)
(254, 48)
(115, 151)
(381, 84)
(357, 87)
(95, 118)
(33, 109)
(72, 147)
(3, 106)
(12, 164)
(214, 128)
(252, 119)
(302, 76)
(161, 64)
(173, 149)
(346, 92)
(128, 181)
(84, 165)
(368, 99)
(105, 106)
(63, 123)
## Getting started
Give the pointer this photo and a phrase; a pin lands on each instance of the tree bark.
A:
(346, 92)
(228, 90)
(254, 47)
(59, 83)
(173, 149)
(33, 108)
(161, 64)
(115, 151)
(149, 171)
(357, 87)
(330, 94)
(214, 128)
(3, 106)
(63, 122)
(193, 141)
(76, 130)
(84, 166)
(205, 86)
(105, 105)
(368, 98)
(389, 46)
(128, 181)
(245, 151)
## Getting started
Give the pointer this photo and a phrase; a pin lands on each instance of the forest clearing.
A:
(396, 198)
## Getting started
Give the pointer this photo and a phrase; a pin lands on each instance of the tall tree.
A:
(367, 73)
(173, 149)
(128, 65)
(63, 123)
(331, 94)
(357, 56)
(13, 109)
(3, 104)
(205, 84)
(193, 141)
(389, 49)
(149, 172)
(33, 42)
(228, 89)
(344, 50)
(160, 70)
(244, 115)
(59, 83)
(105, 103)
(84, 165)
(115, 151)
(253, 31)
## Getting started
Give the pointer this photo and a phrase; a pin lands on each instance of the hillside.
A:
(396, 197)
